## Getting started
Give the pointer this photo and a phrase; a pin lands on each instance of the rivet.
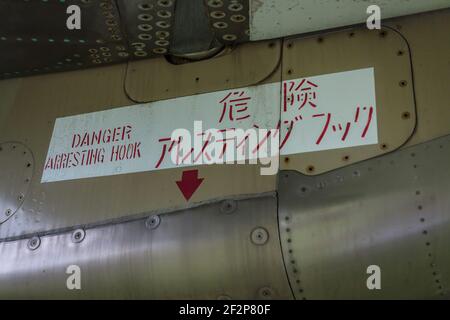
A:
(237, 18)
(221, 25)
(163, 24)
(229, 37)
(162, 34)
(259, 236)
(235, 7)
(145, 27)
(34, 243)
(153, 222)
(265, 293)
(403, 83)
(159, 50)
(215, 3)
(165, 3)
(145, 6)
(406, 115)
(78, 235)
(8, 212)
(145, 17)
(228, 206)
(164, 14)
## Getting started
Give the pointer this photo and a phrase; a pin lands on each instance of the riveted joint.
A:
(34, 243)
(228, 206)
(78, 235)
(259, 236)
(266, 293)
(153, 222)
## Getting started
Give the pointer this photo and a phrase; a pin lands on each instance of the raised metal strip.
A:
(228, 249)
(392, 211)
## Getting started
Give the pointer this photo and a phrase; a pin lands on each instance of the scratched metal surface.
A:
(392, 211)
(199, 253)
(280, 18)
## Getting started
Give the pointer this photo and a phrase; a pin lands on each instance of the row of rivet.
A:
(258, 236)
(227, 19)
(162, 9)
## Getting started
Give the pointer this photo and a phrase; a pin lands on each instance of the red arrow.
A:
(189, 183)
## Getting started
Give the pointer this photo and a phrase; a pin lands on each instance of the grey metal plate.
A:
(392, 211)
(205, 252)
(34, 38)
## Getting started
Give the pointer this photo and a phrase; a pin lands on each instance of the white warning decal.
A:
(296, 116)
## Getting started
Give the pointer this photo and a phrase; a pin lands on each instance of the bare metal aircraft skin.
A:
(229, 159)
